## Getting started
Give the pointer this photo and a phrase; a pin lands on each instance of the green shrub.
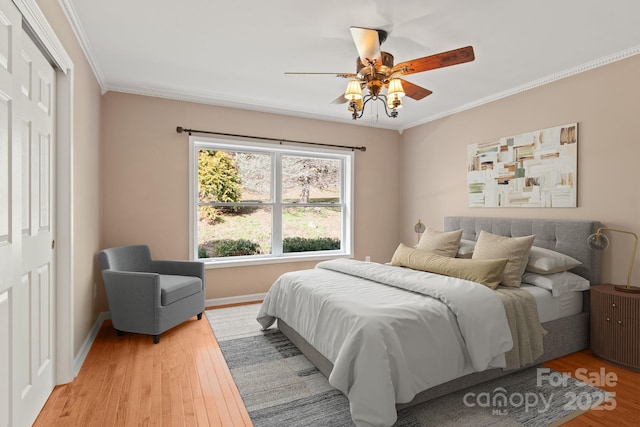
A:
(301, 244)
(202, 252)
(223, 248)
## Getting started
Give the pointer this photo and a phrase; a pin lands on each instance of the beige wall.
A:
(144, 173)
(605, 102)
(85, 146)
(130, 169)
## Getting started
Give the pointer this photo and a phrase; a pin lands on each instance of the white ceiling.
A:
(235, 53)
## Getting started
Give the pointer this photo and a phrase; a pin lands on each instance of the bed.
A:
(566, 321)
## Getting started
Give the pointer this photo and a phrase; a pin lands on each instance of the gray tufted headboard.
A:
(565, 236)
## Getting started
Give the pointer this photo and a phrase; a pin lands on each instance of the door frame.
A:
(63, 345)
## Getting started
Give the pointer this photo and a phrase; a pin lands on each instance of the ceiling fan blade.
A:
(343, 75)
(444, 59)
(414, 91)
(368, 44)
(340, 99)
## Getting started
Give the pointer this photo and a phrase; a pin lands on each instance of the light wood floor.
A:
(184, 381)
(129, 381)
(625, 410)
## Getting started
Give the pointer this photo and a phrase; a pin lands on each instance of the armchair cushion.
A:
(173, 288)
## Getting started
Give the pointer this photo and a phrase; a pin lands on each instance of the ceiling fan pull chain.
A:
(374, 117)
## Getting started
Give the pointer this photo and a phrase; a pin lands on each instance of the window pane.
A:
(231, 177)
(311, 228)
(234, 231)
(255, 176)
(310, 180)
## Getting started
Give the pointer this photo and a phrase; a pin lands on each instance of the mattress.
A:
(552, 308)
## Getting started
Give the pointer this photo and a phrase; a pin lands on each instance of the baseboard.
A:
(78, 361)
(88, 342)
(214, 302)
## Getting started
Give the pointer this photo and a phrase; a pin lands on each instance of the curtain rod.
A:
(180, 129)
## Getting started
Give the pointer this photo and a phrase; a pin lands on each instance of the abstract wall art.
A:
(534, 169)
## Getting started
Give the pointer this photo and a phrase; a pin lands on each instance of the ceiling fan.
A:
(375, 70)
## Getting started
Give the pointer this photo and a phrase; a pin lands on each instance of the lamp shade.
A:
(395, 88)
(354, 91)
(598, 242)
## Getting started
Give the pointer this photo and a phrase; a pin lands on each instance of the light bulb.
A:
(598, 241)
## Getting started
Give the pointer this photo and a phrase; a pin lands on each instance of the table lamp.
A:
(600, 241)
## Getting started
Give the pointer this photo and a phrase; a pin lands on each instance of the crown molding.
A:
(72, 16)
(76, 25)
(249, 105)
(605, 60)
(270, 108)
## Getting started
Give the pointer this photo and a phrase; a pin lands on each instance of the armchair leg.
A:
(199, 316)
(156, 339)
(119, 332)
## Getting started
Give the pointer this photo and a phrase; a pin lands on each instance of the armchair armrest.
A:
(133, 298)
(180, 268)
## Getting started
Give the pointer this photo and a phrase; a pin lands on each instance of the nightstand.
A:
(615, 326)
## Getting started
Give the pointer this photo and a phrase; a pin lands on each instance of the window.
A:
(254, 203)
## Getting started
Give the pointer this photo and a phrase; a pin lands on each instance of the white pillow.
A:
(557, 283)
(546, 261)
(465, 250)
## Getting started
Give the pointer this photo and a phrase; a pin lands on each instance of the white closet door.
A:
(27, 153)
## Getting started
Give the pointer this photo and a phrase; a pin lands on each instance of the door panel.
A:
(35, 103)
(21, 368)
(44, 178)
(43, 334)
(27, 152)
(5, 170)
(5, 386)
(26, 177)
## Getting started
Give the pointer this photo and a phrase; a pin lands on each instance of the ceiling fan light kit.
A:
(375, 71)
(392, 101)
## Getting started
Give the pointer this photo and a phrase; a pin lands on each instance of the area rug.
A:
(281, 388)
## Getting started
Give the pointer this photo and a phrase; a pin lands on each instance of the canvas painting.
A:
(534, 169)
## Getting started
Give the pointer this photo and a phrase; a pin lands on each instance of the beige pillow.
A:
(515, 249)
(546, 261)
(443, 243)
(485, 272)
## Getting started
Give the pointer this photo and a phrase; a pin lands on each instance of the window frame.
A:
(276, 203)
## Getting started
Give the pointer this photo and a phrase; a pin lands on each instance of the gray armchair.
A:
(148, 296)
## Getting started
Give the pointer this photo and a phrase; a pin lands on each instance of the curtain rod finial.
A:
(179, 129)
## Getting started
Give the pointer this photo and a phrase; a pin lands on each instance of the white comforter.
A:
(386, 340)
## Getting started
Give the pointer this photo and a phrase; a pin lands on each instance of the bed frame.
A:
(565, 336)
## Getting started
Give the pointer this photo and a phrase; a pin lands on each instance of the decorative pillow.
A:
(515, 249)
(485, 272)
(443, 243)
(546, 261)
(557, 283)
(465, 250)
